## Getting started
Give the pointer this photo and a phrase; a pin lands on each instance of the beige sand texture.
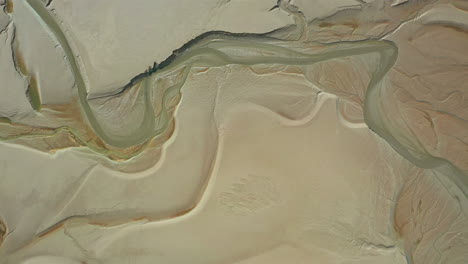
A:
(229, 131)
